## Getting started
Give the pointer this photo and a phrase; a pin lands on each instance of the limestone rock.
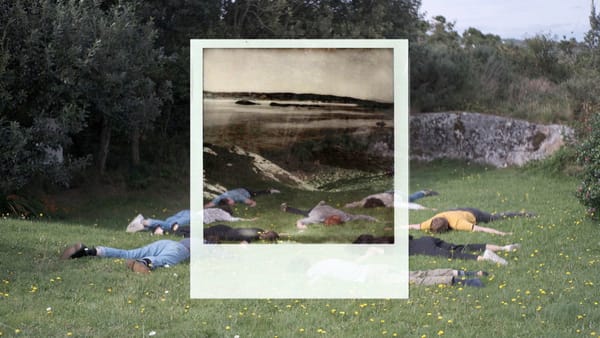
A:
(485, 139)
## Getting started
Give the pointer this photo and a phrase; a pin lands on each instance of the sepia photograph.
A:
(299, 147)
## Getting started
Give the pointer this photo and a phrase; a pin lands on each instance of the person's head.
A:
(268, 235)
(333, 220)
(439, 225)
(373, 202)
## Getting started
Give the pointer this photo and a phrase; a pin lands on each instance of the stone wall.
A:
(485, 139)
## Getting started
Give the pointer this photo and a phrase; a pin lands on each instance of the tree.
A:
(39, 107)
(66, 68)
(115, 63)
(588, 156)
(588, 149)
(592, 37)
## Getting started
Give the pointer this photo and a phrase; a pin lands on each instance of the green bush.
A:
(562, 162)
(588, 156)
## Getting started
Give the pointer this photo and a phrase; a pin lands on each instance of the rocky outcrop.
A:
(485, 139)
(224, 164)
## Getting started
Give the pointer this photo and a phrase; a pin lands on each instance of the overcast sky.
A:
(360, 73)
(516, 19)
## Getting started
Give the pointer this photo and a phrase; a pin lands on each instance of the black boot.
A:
(78, 250)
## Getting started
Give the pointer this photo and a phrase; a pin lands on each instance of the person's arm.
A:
(356, 204)
(490, 230)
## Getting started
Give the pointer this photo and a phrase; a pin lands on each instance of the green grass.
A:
(548, 289)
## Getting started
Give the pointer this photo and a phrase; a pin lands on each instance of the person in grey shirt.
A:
(322, 211)
(212, 215)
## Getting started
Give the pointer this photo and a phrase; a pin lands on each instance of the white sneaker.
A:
(136, 224)
(491, 256)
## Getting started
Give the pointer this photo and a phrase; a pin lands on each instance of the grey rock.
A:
(484, 139)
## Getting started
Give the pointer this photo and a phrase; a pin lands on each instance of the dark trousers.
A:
(432, 246)
(297, 211)
(485, 217)
(222, 232)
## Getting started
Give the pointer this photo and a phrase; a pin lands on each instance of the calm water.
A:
(265, 127)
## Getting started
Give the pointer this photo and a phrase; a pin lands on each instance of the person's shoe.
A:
(430, 192)
(489, 255)
(512, 247)
(479, 273)
(158, 231)
(136, 224)
(283, 206)
(75, 251)
(274, 191)
(175, 227)
(137, 266)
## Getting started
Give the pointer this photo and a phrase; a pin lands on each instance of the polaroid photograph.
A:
(299, 168)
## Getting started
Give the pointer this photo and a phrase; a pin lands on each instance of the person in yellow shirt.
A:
(454, 220)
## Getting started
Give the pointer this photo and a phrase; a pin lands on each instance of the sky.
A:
(359, 73)
(515, 19)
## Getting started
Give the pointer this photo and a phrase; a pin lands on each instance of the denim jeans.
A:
(160, 253)
(412, 197)
(182, 218)
(415, 196)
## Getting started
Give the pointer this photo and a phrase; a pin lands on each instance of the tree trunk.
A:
(105, 134)
(135, 146)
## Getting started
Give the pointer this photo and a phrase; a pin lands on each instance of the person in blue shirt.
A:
(161, 253)
(239, 195)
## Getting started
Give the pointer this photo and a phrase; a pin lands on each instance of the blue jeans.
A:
(412, 197)
(160, 253)
(182, 218)
(415, 196)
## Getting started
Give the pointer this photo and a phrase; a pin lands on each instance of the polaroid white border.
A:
(232, 271)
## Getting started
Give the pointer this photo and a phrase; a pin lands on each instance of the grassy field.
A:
(548, 289)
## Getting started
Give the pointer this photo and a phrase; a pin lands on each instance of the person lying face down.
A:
(386, 199)
(224, 233)
(212, 215)
(161, 253)
(432, 246)
(239, 195)
(321, 212)
(454, 220)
